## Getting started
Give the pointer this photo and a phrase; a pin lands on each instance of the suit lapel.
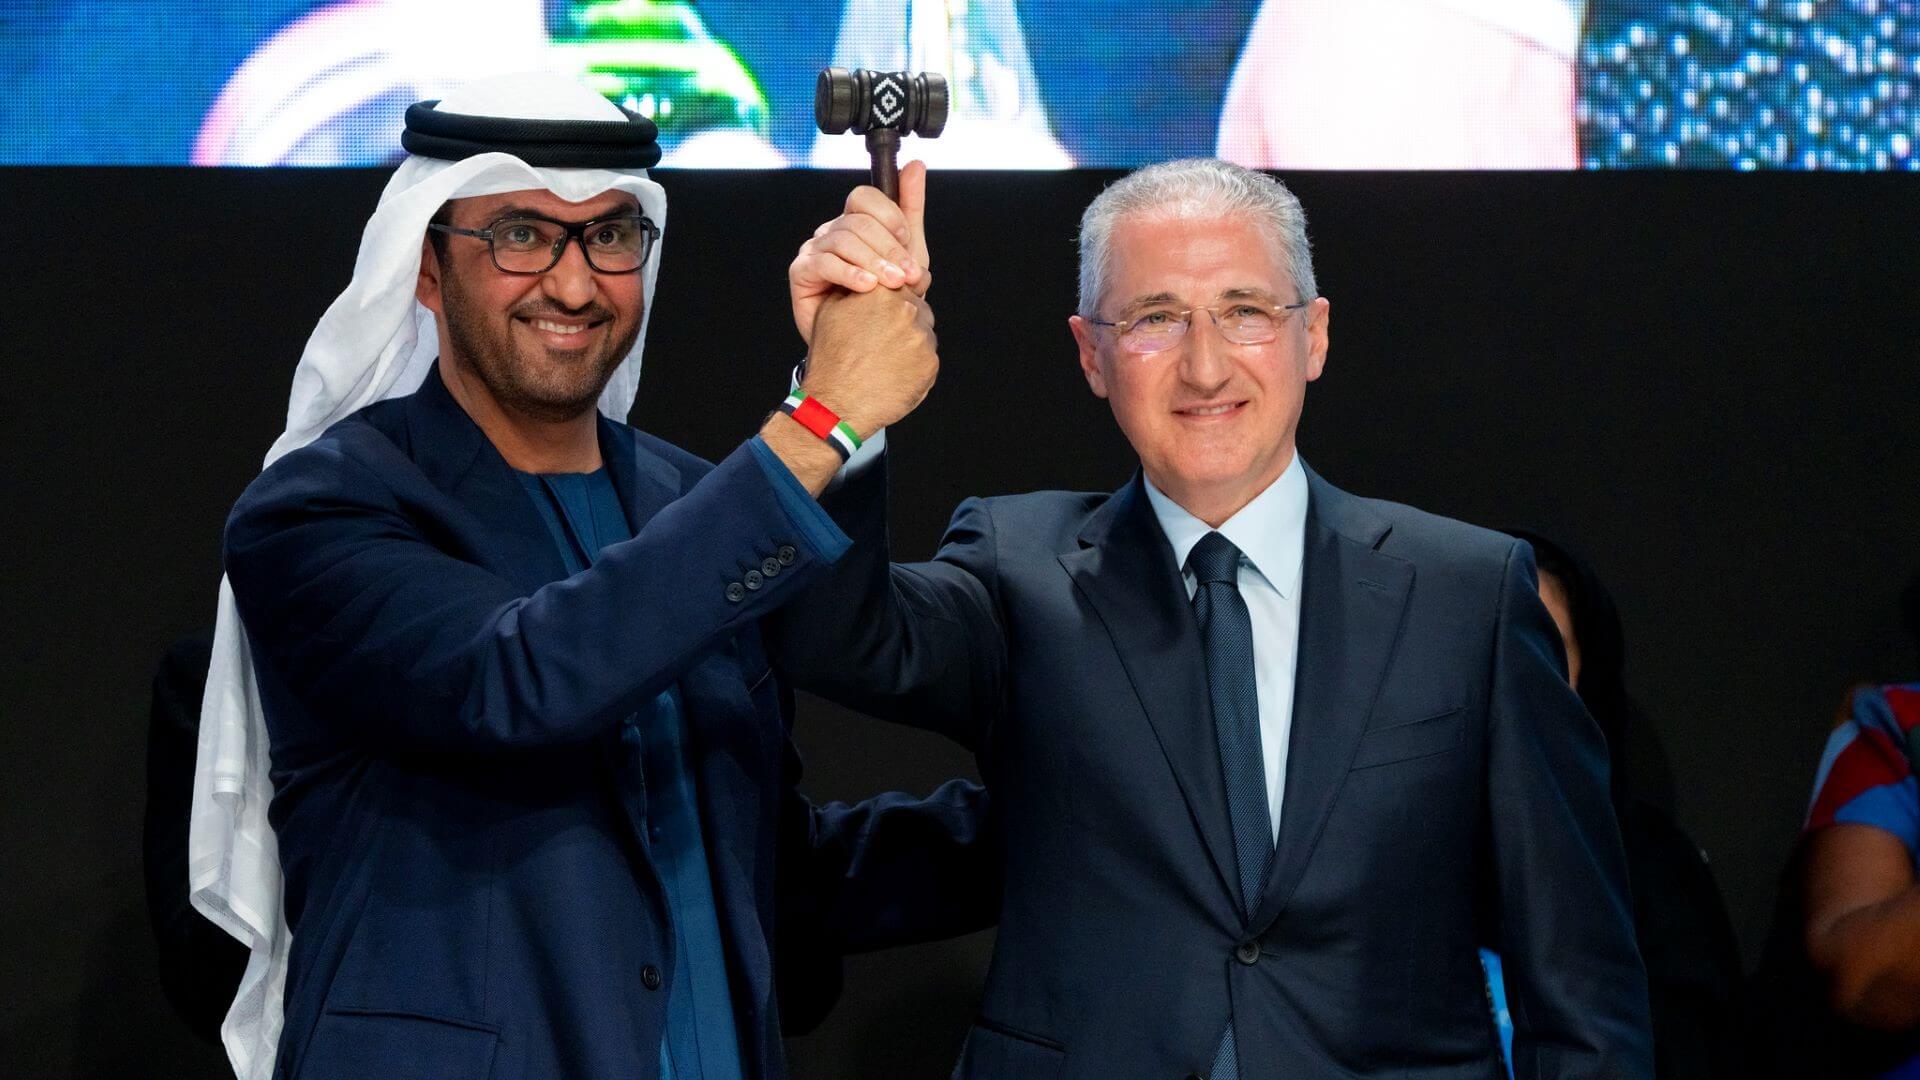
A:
(646, 482)
(457, 456)
(1125, 569)
(1351, 603)
(459, 459)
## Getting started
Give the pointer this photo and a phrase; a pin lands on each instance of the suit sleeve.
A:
(1575, 984)
(915, 643)
(887, 871)
(349, 599)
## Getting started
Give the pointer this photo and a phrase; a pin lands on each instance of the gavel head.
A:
(865, 101)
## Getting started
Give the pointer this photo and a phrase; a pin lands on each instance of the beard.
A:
(527, 377)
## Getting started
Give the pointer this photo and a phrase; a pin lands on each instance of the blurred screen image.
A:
(1036, 84)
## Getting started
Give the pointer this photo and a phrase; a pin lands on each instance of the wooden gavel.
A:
(883, 105)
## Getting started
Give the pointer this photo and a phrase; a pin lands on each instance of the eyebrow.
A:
(622, 210)
(1240, 293)
(1249, 294)
(1149, 299)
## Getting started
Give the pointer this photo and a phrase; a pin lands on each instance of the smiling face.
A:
(1213, 422)
(542, 345)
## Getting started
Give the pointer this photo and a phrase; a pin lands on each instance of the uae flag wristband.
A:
(821, 420)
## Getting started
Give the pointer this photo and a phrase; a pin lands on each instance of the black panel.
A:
(1705, 382)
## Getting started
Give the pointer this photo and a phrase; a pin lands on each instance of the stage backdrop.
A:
(1037, 84)
(1703, 381)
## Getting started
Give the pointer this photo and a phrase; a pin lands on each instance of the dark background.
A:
(1706, 382)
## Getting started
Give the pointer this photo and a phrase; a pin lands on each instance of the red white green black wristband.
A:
(821, 420)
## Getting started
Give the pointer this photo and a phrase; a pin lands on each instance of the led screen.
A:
(1036, 84)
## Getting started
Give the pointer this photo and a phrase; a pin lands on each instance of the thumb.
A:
(913, 203)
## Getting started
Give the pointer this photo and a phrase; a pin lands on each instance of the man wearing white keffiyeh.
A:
(490, 662)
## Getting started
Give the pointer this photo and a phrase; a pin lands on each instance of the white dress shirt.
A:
(1271, 534)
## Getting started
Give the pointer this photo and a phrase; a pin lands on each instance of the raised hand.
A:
(873, 244)
(874, 356)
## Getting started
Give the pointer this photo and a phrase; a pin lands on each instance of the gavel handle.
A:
(883, 145)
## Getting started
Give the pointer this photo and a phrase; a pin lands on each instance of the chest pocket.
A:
(1404, 742)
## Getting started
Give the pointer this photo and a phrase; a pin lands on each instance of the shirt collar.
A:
(1270, 531)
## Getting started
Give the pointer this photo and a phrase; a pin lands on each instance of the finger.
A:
(877, 236)
(922, 309)
(859, 251)
(814, 272)
(858, 241)
(867, 199)
(913, 207)
(885, 243)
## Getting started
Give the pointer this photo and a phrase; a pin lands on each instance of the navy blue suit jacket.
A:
(1444, 788)
(470, 894)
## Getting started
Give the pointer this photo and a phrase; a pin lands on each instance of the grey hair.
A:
(1195, 187)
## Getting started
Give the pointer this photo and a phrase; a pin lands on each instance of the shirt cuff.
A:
(816, 527)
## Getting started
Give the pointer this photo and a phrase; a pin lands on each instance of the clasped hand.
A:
(859, 290)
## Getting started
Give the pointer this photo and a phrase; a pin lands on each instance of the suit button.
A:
(769, 567)
(786, 554)
(736, 592)
(650, 977)
(1248, 952)
(1195, 1076)
(751, 580)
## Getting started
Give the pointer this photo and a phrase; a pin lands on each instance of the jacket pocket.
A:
(994, 1051)
(1404, 742)
(397, 1046)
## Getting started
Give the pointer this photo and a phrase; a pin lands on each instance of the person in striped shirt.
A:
(1861, 843)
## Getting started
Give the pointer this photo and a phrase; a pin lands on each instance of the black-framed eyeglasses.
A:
(533, 245)
(1241, 322)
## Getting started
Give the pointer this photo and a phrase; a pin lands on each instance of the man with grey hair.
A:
(1273, 760)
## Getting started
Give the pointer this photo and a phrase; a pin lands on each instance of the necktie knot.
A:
(1214, 560)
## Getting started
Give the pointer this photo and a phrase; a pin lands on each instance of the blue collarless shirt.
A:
(582, 511)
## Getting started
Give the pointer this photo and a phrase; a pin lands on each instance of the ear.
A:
(426, 288)
(1318, 314)
(1084, 337)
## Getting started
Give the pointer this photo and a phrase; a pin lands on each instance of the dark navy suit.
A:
(467, 877)
(1444, 788)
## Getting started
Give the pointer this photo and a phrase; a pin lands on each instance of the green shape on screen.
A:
(657, 59)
